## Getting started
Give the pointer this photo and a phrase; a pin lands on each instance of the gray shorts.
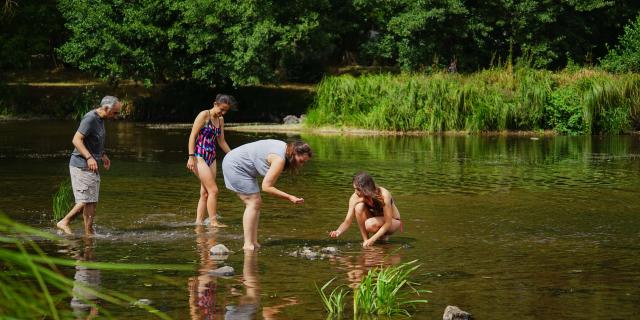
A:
(85, 185)
(237, 180)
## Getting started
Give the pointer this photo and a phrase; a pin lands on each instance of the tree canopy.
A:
(248, 41)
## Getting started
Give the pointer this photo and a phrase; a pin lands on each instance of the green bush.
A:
(625, 57)
(563, 111)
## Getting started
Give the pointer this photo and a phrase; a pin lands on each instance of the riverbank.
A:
(576, 102)
(327, 130)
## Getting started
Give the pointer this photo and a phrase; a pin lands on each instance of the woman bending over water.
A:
(268, 158)
(207, 129)
(374, 210)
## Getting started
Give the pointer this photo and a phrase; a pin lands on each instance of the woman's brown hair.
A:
(365, 184)
(296, 148)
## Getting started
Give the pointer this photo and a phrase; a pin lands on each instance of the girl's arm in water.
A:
(221, 141)
(344, 226)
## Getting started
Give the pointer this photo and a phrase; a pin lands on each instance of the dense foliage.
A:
(247, 41)
(581, 102)
(625, 57)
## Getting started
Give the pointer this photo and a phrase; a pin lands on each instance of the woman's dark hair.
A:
(293, 149)
(227, 99)
(365, 184)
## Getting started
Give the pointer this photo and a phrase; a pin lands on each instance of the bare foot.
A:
(218, 225)
(64, 227)
(250, 247)
(256, 245)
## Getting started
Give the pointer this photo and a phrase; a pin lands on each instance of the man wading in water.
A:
(83, 165)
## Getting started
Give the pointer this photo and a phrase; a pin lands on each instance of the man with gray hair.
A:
(83, 166)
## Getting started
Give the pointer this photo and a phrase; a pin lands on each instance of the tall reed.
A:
(62, 200)
(578, 102)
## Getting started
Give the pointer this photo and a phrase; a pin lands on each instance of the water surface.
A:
(504, 227)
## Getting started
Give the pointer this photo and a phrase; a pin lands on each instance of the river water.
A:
(503, 227)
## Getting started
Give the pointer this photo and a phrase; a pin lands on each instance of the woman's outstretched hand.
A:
(296, 200)
(334, 234)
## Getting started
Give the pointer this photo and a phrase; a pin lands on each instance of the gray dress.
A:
(245, 163)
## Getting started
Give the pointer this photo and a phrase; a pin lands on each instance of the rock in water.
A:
(455, 313)
(329, 250)
(225, 271)
(290, 119)
(219, 250)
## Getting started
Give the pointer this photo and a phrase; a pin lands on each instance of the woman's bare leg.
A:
(375, 223)
(250, 219)
(202, 205)
(207, 176)
(362, 214)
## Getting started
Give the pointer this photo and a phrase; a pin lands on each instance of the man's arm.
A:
(78, 142)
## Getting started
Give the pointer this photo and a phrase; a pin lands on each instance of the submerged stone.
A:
(219, 249)
(225, 271)
(329, 250)
(142, 302)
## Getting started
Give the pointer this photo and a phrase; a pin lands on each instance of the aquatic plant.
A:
(32, 285)
(62, 200)
(388, 291)
(335, 301)
(383, 291)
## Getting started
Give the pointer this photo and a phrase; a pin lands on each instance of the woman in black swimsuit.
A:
(374, 210)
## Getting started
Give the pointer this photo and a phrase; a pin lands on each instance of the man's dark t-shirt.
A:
(92, 128)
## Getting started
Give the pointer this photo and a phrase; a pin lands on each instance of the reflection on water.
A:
(86, 281)
(203, 288)
(504, 227)
(242, 301)
(356, 265)
(249, 303)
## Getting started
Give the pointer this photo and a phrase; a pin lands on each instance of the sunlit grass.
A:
(496, 99)
(334, 302)
(383, 291)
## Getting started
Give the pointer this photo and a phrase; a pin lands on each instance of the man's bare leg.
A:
(63, 224)
(88, 213)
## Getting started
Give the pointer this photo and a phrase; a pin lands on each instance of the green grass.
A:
(62, 200)
(335, 301)
(383, 291)
(572, 101)
(33, 287)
